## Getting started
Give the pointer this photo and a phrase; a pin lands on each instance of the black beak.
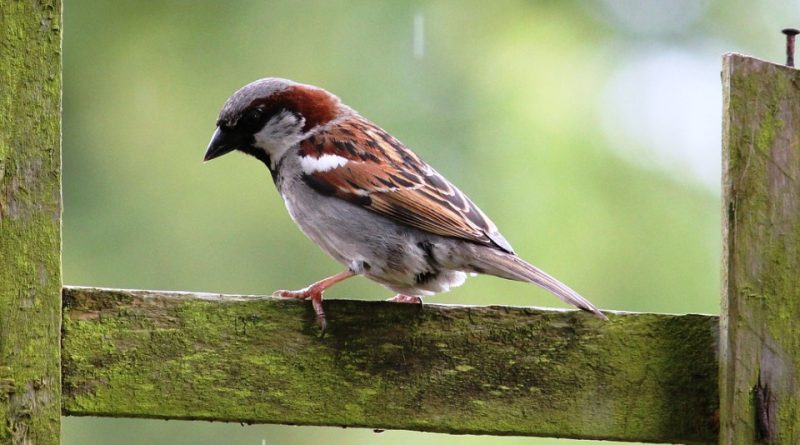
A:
(223, 142)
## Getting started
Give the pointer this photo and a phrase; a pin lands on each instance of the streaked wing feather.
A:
(384, 176)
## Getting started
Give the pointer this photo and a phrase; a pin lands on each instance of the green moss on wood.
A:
(761, 270)
(482, 370)
(30, 224)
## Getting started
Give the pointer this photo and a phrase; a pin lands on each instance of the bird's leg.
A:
(400, 298)
(314, 292)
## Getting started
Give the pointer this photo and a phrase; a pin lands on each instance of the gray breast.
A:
(400, 257)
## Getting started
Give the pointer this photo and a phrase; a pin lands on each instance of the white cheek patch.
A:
(323, 163)
(279, 135)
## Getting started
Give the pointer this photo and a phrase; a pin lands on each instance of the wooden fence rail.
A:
(483, 370)
(454, 369)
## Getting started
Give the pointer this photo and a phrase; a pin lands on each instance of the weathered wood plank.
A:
(760, 357)
(30, 221)
(475, 370)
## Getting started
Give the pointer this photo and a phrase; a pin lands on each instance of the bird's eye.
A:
(252, 119)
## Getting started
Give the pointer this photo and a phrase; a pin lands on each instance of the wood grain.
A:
(760, 356)
(30, 221)
(466, 370)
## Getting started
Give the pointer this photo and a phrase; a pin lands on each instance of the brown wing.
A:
(383, 175)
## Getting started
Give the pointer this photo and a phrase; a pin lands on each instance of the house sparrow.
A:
(365, 198)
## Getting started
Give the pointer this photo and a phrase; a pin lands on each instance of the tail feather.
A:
(513, 267)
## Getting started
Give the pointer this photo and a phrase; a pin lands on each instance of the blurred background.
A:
(588, 131)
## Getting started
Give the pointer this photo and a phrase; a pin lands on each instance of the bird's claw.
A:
(316, 303)
(307, 294)
(400, 298)
(301, 294)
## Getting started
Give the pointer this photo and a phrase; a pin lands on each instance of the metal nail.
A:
(790, 33)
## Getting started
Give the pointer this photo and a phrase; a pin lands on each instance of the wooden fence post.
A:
(30, 221)
(760, 319)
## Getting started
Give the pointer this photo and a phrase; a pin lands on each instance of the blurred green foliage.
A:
(505, 102)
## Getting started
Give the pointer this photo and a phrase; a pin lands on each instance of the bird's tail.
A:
(512, 267)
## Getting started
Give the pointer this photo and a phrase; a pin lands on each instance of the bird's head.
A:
(267, 117)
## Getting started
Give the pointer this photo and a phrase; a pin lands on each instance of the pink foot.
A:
(301, 294)
(309, 293)
(400, 298)
(314, 293)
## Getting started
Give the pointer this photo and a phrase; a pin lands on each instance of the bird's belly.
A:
(401, 258)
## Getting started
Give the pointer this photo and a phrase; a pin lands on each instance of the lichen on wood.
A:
(30, 221)
(469, 370)
(760, 357)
